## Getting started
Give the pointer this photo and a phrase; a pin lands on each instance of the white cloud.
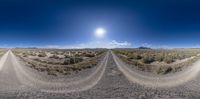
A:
(53, 46)
(155, 46)
(96, 44)
(146, 45)
(116, 44)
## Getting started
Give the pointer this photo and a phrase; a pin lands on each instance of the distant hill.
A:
(142, 47)
(26, 48)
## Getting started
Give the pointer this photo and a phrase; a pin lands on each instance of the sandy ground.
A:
(113, 84)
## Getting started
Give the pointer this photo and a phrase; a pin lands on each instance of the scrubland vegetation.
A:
(159, 61)
(57, 61)
(2, 52)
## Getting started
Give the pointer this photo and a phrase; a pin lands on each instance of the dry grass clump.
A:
(42, 54)
(147, 59)
(164, 70)
(74, 60)
(89, 55)
(54, 56)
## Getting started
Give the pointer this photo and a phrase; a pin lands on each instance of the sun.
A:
(100, 32)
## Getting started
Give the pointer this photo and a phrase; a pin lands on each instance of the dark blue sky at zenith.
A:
(154, 23)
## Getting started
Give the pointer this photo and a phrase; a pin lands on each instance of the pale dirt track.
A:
(111, 84)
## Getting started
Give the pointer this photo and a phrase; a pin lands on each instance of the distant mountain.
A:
(26, 48)
(142, 47)
(32, 48)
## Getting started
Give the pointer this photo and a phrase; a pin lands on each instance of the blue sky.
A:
(72, 23)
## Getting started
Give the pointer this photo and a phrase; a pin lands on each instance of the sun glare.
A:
(100, 32)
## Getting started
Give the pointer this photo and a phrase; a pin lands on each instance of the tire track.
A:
(3, 59)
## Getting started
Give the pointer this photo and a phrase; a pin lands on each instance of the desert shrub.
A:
(53, 73)
(66, 56)
(41, 69)
(168, 59)
(54, 56)
(49, 62)
(159, 57)
(42, 55)
(146, 68)
(177, 69)
(75, 60)
(32, 65)
(99, 53)
(76, 68)
(147, 59)
(24, 55)
(181, 56)
(66, 72)
(67, 69)
(39, 60)
(89, 55)
(164, 70)
(66, 62)
(72, 60)
(33, 54)
(59, 70)
(134, 56)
